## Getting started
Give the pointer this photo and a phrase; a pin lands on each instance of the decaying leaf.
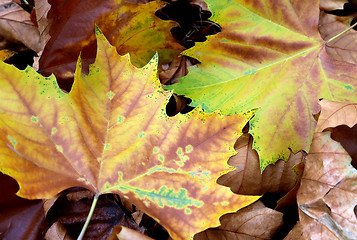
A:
(252, 222)
(71, 209)
(111, 134)
(132, 28)
(344, 47)
(269, 57)
(330, 5)
(327, 197)
(248, 180)
(43, 23)
(336, 113)
(57, 232)
(16, 28)
(328, 192)
(124, 233)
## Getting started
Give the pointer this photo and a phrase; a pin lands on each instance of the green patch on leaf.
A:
(165, 197)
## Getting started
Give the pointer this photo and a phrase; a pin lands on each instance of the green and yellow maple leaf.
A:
(269, 57)
(111, 134)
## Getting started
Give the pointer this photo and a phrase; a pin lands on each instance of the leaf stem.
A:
(84, 228)
(341, 33)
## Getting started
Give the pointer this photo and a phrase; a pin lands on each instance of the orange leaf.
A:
(111, 134)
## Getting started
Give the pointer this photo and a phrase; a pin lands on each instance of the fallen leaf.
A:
(342, 48)
(177, 68)
(57, 232)
(336, 113)
(252, 222)
(111, 134)
(132, 28)
(269, 58)
(124, 233)
(248, 180)
(329, 5)
(328, 192)
(16, 28)
(72, 207)
(41, 10)
(16, 211)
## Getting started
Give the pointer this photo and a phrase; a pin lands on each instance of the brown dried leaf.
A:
(328, 192)
(17, 29)
(247, 179)
(71, 210)
(336, 113)
(124, 233)
(177, 68)
(42, 8)
(57, 232)
(344, 47)
(252, 222)
(329, 5)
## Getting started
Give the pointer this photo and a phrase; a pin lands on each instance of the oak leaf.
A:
(268, 57)
(111, 134)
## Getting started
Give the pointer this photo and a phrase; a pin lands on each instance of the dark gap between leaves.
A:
(347, 137)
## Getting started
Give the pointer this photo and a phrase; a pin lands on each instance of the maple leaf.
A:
(111, 134)
(132, 28)
(269, 57)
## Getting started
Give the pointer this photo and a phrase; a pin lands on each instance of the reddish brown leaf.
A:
(19, 218)
(130, 27)
(247, 178)
(252, 222)
(71, 210)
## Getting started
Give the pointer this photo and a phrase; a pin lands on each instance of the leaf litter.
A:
(343, 136)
